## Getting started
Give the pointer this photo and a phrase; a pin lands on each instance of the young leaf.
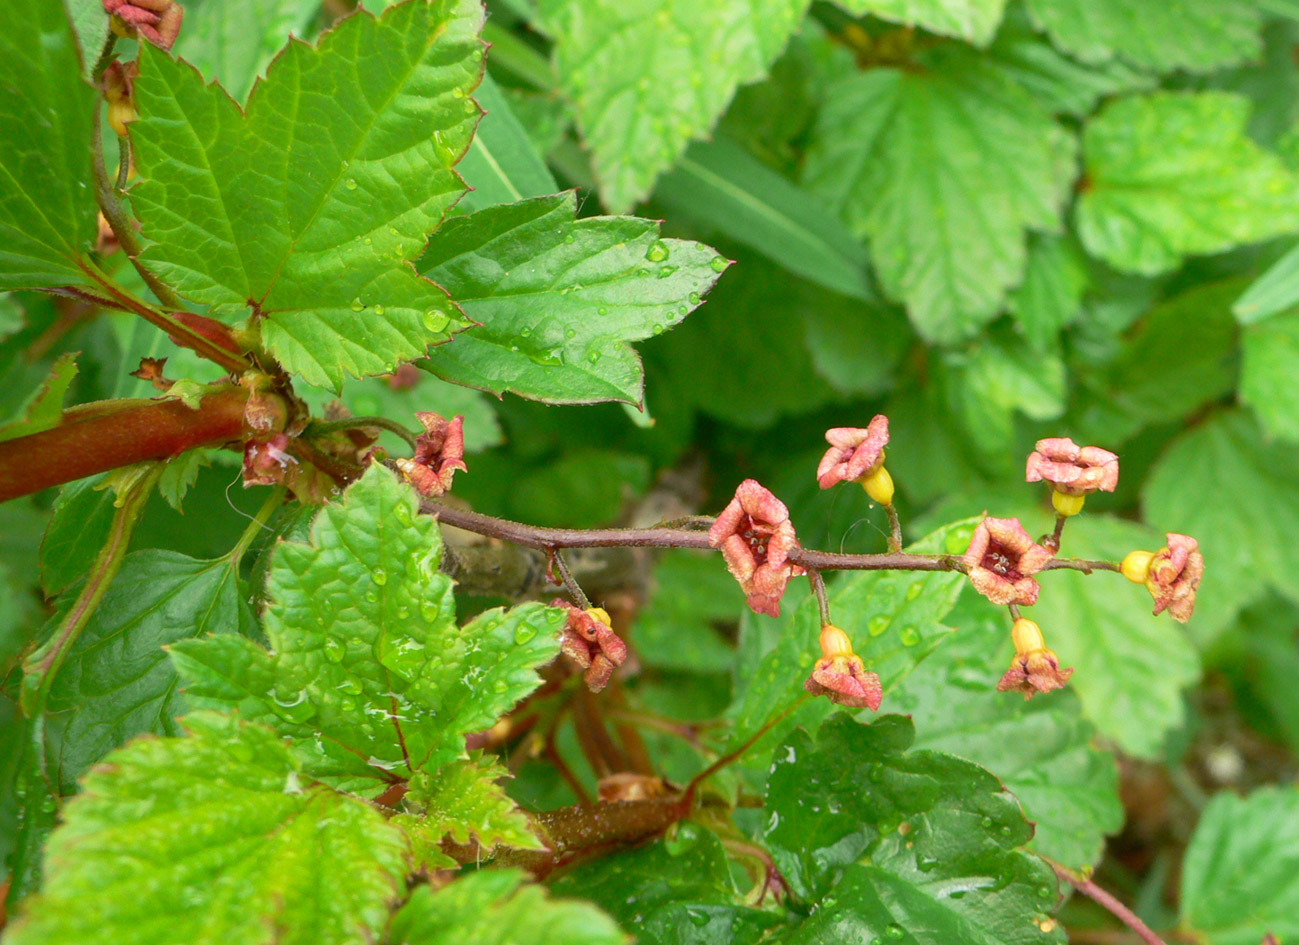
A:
(502, 165)
(214, 837)
(47, 206)
(1195, 35)
(947, 224)
(307, 218)
(44, 407)
(1269, 353)
(1238, 494)
(836, 809)
(650, 75)
(232, 41)
(724, 186)
(368, 674)
(893, 619)
(117, 682)
(463, 802)
(493, 908)
(560, 298)
(1172, 174)
(1041, 749)
(974, 21)
(1240, 878)
(677, 891)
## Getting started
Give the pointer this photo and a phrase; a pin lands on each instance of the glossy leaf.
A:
(368, 674)
(1195, 35)
(650, 75)
(974, 21)
(502, 164)
(1240, 878)
(214, 837)
(232, 41)
(1245, 535)
(273, 209)
(117, 681)
(82, 517)
(677, 628)
(560, 298)
(1171, 174)
(947, 225)
(836, 809)
(47, 203)
(44, 406)
(493, 908)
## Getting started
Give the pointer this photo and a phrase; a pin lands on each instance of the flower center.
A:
(998, 560)
(757, 540)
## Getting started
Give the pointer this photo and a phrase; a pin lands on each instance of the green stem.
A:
(255, 527)
(321, 427)
(40, 668)
(123, 162)
(895, 527)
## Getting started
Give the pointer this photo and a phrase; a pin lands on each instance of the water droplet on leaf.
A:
(657, 252)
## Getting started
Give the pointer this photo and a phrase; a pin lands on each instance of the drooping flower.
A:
(1172, 574)
(1073, 471)
(755, 535)
(266, 460)
(853, 453)
(1000, 560)
(439, 452)
(1034, 668)
(589, 641)
(158, 21)
(840, 675)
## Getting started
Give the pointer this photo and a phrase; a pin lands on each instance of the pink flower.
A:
(1000, 559)
(1175, 573)
(158, 21)
(439, 452)
(1034, 672)
(844, 679)
(1072, 469)
(267, 460)
(853, 453)
(756, 536)
(591, 643)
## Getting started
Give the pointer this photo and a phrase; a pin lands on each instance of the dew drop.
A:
(698, 917)
(693, 298)
(877, 625)
(657, 328)
(909, 636)
(526, 332)
(570, 333)
(357, 305)
(926, 864)
(665, 271)
(435, 320)
(642, 273)
(602, 310)
(378, 310)
(657, 252)
(351, 183)
(371, 597)
(683, 309)
(718, 263)
(379, 576)
(913, 591)
(457, 93)
(334, 650)
(894, 931)
(351, 687)
(523, 633)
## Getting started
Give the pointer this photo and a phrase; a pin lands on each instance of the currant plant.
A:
(359, 588)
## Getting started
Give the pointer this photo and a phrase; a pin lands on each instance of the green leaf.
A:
(492, 908)
(1171, 174)
(47, 206)
(232, 41)
(856, 348)
(463, 802)
(1238, 494)
(273, 209)
(117, 682)
(560, 298)
(650, 75)
(1130, 667)
(43, 408)
(215, 837)
(83, 514)
(722, 185)
(368, 674)
(677, 891)
(180, 473)
(893, 620)
(974, 21)
(90, 23)
(502, 165)
(836, 808)
(582, 489)
(1050, 297)
(28, 811)
(947, 224)
(1041, 749)
(1270, 351)
(1195, 35)
(677, 628)
(1240, 878)
(1274, 291)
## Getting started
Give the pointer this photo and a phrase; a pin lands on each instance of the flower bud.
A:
(1136, 566)
(1066, 504)
(834, 642)
(879, 484)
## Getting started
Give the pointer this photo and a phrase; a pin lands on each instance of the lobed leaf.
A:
(43, 408)
(233, 41)
(307, 219)
(1171, 174)
(502, 165)
(559, 298)
(215, 837)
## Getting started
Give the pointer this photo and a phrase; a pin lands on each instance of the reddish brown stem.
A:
(1108, 902)
(138, 431)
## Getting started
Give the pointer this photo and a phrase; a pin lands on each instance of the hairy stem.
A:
(40, 668)
(319, 427)
(100, 437)
(1106, 901)
(895, 527)
(565, 575)
(818, 588)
